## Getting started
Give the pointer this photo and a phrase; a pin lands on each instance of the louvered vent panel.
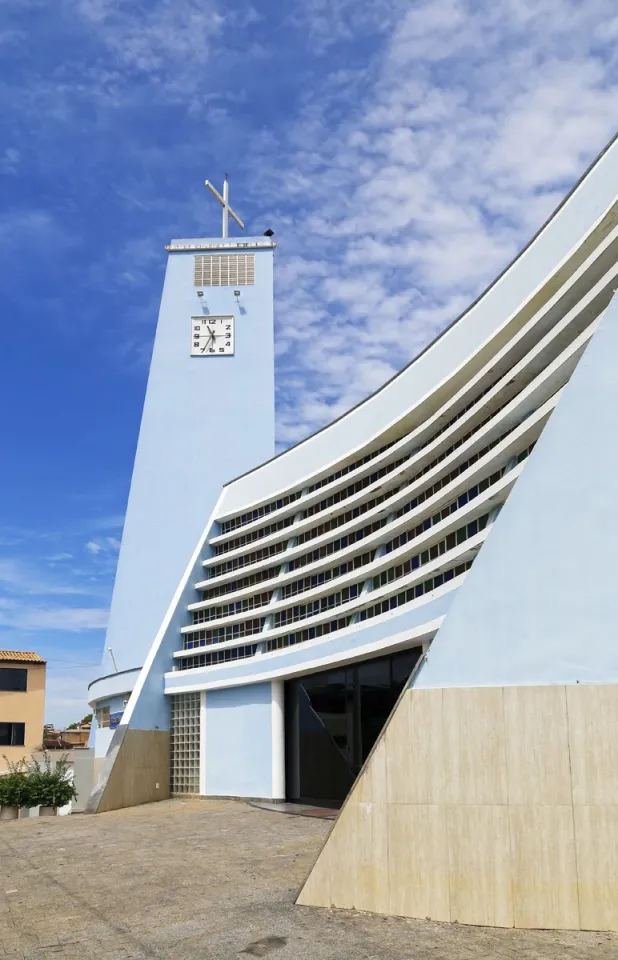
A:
(225, 270)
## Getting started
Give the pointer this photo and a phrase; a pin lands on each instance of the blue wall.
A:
(204, 420)
(239, 741)
(93, 731)
(101, 737)
(149, 709)
(115, 703)
(540, 604)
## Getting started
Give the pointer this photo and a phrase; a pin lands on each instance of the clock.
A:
(212, 336)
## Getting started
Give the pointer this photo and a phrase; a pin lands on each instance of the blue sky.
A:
(402, 151)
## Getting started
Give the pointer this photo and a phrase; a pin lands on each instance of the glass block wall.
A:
(185, 743)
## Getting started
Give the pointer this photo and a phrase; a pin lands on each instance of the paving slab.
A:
(213, 880)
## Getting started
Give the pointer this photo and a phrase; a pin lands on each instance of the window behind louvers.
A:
(224, 270)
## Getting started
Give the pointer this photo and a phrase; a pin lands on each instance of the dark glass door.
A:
(333, 719)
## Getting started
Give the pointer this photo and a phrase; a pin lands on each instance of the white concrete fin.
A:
(540, 602)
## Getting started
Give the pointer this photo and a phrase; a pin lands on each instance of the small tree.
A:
(50, 787)
(86, 719)
(14, 787)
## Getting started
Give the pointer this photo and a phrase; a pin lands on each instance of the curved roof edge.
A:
(109, 676)
(443, 332)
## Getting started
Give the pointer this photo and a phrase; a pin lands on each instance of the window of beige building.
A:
(13, 679)
(12, 734)
(22, 704)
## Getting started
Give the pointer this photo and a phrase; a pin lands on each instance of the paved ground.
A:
(212, 880)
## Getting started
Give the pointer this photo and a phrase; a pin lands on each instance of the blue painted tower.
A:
(208, 415)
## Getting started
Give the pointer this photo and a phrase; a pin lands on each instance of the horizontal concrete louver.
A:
(224, 270)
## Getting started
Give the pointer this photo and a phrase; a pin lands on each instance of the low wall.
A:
(135, 770)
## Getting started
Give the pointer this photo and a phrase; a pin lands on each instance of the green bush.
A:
(49, 787)
(14, 785)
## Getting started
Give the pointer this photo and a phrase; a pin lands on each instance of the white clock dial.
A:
(212, 336)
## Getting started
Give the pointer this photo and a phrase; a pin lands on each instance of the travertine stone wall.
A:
(495, 806)
(136, 770)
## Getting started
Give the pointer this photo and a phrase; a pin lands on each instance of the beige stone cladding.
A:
(27, 707)
(495, 806)
(140, 773)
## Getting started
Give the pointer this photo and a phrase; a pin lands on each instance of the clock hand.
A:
(211, 339)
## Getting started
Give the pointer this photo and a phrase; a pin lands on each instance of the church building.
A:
(410, 613)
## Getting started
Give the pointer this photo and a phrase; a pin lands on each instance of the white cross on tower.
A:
(225, 203)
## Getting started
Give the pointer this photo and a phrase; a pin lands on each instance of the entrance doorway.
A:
(333, 719)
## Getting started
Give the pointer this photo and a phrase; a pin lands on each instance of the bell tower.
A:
(208, 416)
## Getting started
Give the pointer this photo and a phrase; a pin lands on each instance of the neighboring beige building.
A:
(77, 737)
(22, 704)
(66, 739)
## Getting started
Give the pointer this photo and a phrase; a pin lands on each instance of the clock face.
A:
(212, 336)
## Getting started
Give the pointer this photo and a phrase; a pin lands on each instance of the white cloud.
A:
(9, 161)
(66, 693)
(328, 23)
(31, 226)
(105, 546)
(12, 536)
(25, 617)
(112, 521)
(148, 37)
(415, 185)
(20, 577)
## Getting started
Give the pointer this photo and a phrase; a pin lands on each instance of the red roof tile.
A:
(20, 656)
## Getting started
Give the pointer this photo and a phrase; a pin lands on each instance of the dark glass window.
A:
(333, 719)
(12, 734)
(13, 679)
